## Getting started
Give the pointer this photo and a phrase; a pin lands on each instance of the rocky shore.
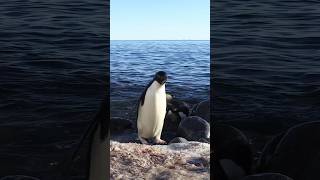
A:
(185, 156)
(174, 161)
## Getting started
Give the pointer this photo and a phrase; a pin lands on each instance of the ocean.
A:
(53, 72)
(134, 63)
(266, 64)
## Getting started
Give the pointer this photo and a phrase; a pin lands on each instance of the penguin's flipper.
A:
(167, 110)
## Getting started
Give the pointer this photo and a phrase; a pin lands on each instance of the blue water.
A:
(53, 69)
(266, 63)
(134, 63)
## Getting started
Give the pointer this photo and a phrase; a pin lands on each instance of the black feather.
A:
(142, 97)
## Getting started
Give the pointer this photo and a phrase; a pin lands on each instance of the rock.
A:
(175, 161)
(178, 140)
(168, 136)
(233, 153)
(171, 122)
(194, 128)
(199, 162)
(268, 152)
(181, 161)
(267, 176)
(204, 140)
(119, 125)
(202, 110)
(128, 137)
(297, 153)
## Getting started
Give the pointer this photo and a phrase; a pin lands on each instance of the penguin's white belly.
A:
(98, 157)
(151, 115)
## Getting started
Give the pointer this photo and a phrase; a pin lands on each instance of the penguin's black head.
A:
(161, 77)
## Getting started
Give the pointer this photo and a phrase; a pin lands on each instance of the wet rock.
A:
(171, 122)
(268, 152)
(128, 137)
(194, 128)
(168, 136)
(297, 153)
(233, 153)
(119, 125)
(204, 140)
(178, 140)
(199, 162)
(202, 110)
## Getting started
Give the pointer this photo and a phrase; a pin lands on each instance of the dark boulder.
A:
(119, 125)
(194, 128)
(202, 110)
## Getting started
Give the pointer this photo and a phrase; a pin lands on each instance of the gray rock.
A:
(233, 153)
(267, 176)
(128, 137)
(119, 125)
(194, 128)
(202, 110)
(171, 122)
(168, 136)
(205, 140)
(199, 162)
(268, 152)
(297, 153)
(178, 140)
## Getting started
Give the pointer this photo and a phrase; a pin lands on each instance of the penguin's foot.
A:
(159, 141)
(143, 141)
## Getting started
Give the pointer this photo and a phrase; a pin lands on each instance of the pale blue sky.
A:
(159, 19)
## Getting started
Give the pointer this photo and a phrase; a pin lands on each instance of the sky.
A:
(159, 19)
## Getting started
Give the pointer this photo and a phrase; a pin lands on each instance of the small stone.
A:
(178, 140)
(116, 148)
(181, 161)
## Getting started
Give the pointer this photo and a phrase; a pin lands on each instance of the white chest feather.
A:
(151, 115)
(98, 157)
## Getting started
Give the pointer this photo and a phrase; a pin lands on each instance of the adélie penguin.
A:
(178, 107)
(97, 168)
(152, 110)
(97, 135)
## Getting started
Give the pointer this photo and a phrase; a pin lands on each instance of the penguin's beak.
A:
(165, 80)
